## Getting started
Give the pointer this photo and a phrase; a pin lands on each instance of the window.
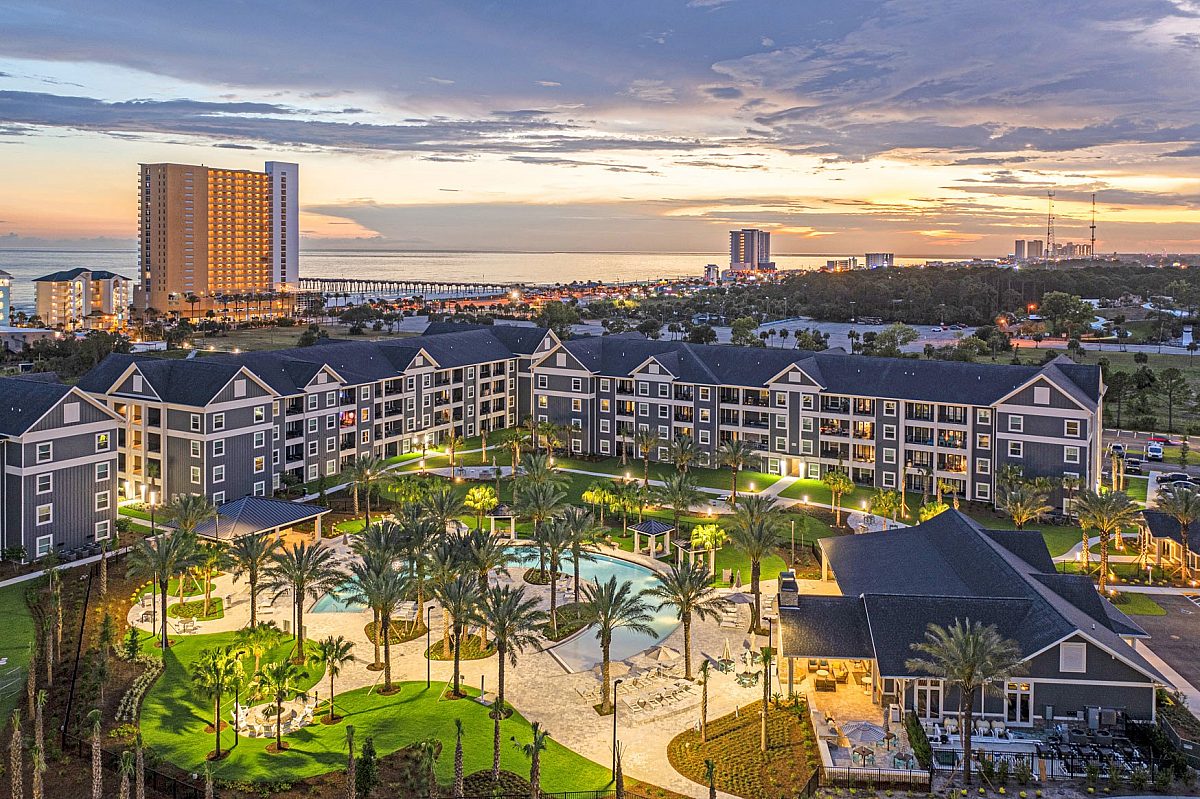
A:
(218, 474)
(663, 433)
(806, 448)
(889, 408)
(313, 471)
(889, 479)
(103, 471)
(275, 458)
(780, 443)
(103, 530)
(330, 421)
(260, 488)
(1072, 428)
(45, 514)
(102, 500)
(195, 475)
(643, 409)
(889, 431)
(260, 413)
(219, 498)
(780, 420)
(605, 405)
(1072, 657)
(45, 451)
(1016, 449)
(543, 382)
(983, 466)
(806, 401)
(313, 425)
(195, 448)
(195, 423)
(576, 384)
(314, 447)
(1016, 424)
(542, 401)
(331, 467)
(218, 447)
(983, 416)
(662, 453)
(364, 393)
(138, 384)
(1041, 395)
(70, 413)
(664, 411)
(889, 455)
(983, 441)
(604, 426)
(45, 483)
(560, 359)
(103, 442)
(44, 542)
(704, 437)
(330, 399)
(364, 415)
(331, 444)
(780, 398)
(705, 393)
(239, 388)
(218, 421)
(260, 464)
(1070, 454)
(806, 424)
(260, 439)
(604, 384)
(663, 389)
(983, 491)
(643, 389)
(604, 447)
(312, 402)
(365, 437)
(576, 405)
(705, 415)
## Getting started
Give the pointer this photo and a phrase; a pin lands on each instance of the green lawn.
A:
(174, 718)
(1135, 604)
(15, 636)
(1136, 487)
(707, 478)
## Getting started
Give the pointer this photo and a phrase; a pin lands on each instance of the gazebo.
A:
(254, 515)
(654, 530)
(504, 512)
(685, 548)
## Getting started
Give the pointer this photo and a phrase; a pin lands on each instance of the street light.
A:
(616, 684)
(428, 646)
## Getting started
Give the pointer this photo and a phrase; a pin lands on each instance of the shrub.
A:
(918, 739)
(1024, 772)
(1139, 779)
(131, 703)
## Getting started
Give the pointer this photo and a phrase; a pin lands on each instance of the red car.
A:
(1166, 442)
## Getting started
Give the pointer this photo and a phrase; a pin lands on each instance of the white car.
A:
(1154, 452)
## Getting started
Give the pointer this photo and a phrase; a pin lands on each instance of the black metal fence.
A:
(1048, 763)
(877, 779)
(157, 783)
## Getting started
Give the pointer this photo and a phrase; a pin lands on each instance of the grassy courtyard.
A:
(15, 636)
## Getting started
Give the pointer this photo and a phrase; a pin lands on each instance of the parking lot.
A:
(1175, 637)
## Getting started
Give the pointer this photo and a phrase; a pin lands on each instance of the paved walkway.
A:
(1184, 687)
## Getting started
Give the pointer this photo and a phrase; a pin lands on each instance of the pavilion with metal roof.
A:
(254, 515)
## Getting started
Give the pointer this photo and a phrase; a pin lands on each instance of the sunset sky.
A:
(925, 128)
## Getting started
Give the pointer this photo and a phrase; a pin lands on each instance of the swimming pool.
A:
(582, 651)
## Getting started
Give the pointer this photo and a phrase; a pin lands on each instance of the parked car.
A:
(1118, 450)
(1154, 452)
(1133, 466)
(1166, 442)
(1173, 477)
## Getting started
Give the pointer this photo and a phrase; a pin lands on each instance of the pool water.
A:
(338, 601)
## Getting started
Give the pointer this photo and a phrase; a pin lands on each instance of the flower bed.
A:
(194, 609)
(131, 703)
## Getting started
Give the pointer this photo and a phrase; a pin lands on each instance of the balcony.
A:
(952, 441)
(684, 393)
(864, 407)
(347, 443)
(757, 399)
(685, 415)
(829, 428)
(293, 430)
(952, 415)
(865, 431)
(294, 453)
(760, 421)
(835, 452)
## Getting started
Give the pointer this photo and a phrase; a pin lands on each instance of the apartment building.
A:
(229, 426)
(84, 299)
(207, 233)
(59, 463)
(889, 422)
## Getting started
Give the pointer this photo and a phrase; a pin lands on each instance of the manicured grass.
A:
(195, 609)
(190, 588)
(15, 635)
(1059, 537)
(174, 718)
(721, 479)
(1133, 604)
(1136, 487)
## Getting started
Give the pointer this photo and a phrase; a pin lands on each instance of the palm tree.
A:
(644, 441)
(554, 540)
(213, 673)
(364, 473)
(624, 500)
(710, 537)
(209, 562)
(459, 598)
(1183, 506)
(351, 770)
(539, 502)
(158, 560)
(884, 504)
(333, 653)
(533, 750)
(735, 454)
(446, 563)
(16, 762)
(968, 656)
(580, 529)
(452, 443)
(515, 438)
(704, 670)
(689, 589)
(405, 488)
(613, 606)
(679, 491)
(188, 511)
(710, 777)
(839, 484)
(481, 499)
(486, 552)
(442, 504)
(682, 451)
(276, 681)
(380, 589)
(768, 654)
(457, 788)
(757, 538)
(250, 555)
(97, 770)
(599, 497)
(1023, 504)
(381, 543)
(1108, 514)
(258, 640)
(536, 470)
(514, 620)
(417, 539)
(125, 767)
(307, 572)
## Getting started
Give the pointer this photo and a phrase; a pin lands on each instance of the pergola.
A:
(684, 547)
(255, 515)
(504, 512)
(654, 530)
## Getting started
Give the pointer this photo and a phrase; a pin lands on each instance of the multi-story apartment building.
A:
(889, 422)
(750, 250)
(83, 299)
(59, 462)
(229, 426)
(206, 233)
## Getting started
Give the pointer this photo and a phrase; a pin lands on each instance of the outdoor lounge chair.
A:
(841, 673)
(812, 665)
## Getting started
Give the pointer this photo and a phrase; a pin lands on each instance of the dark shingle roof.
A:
(520, 339)
(23, 402)
(186, 382)
(71, 274)
(1163, 525)
(651, 527)
(250, 515)
(827, 627)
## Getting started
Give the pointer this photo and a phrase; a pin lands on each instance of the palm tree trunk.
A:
(329, 717)
(704, 711)
(535, 774)
(553, 600)
(755, 570)
(217, 726)
(385, 622)
(1184, 567)
(139, 777)
(164, 586)
(1103, 560)
(378, 626)
(1087, 556)
(733, 487)
(459, 631)
(605, 697)
(646, 470)
(253, 603)
(965, 701)
(445, 631)
(299, 625)
(687, 646)
(498, 713)
(278, 724)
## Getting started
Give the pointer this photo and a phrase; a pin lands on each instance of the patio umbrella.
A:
(864, 732)
(726, 653)
(665, 654)
(617, 668)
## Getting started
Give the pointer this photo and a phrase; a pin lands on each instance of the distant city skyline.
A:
(653, 127)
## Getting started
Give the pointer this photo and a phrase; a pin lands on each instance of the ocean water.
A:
(501, 267)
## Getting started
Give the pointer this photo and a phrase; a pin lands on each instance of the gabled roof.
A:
(24, 402)
(828, 627)
(71, 274)
(183, 382)
(520, 339)
(1163, 525)
(651, 527)
(251, 515)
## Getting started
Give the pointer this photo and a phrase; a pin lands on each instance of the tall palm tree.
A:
(539, 502)
(678, 491)
(969, 656)
(614, 606)
(382, 542)
(365, 473)
(645, 441)
(533, 750)
(514, 620)
(333, 653)
(457, 788)
(581, 530)
(446, 563)
(885, 503)
(212, 674)
(382, 590)
(1023, 504)
(598, 496)
(1183, 506)
(188, 511)
(536, 470)
(682, 451)
(250, 555)
(417, 539)
(486, 552)
(459, 598)
(735, 454)
(757, 538)
(16, 760)
(210, 560)
(258, 640)
(125, 768)
(555, 540)
(516, 439)
(452, 443)
(442, 504)
(839, 484)
(481, 499)
(689, 589)
(624, 500)
(97, 766)
(1108, 514)
(159, 559)
(308, 572)
(276, 681)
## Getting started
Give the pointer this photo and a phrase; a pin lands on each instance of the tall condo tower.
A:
(1092, 251)
(750, 250)
(1049, 225)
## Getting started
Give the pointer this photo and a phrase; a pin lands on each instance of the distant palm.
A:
(443, 504)
(213, 673)
(613, 606)
(555, 540)
(969, 656)
(533, 750)
(1023, 504)
(1108, 514)
(516, 439)
(514, 620)
(258, 640)
(460, 598)
(452, 443)
(383, 541)
(689, 589)
(308, 572)
(481, 499)
(536, 470)
(645, 441)
(839, 485)
(158, 560)
(417, 539)
(680, 493)
(581, 530)
(735, 454)
(624, 500)
(188, 511)
(486, 553)
(682, 451)
(1183, 506)
(539, 502)
(250, 555)
(757, 538)
(333, 653)
(365, 472)
(276, 681)
(382, 590)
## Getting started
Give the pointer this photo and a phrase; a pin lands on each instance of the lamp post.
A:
(793, 542)
(616, 684)
(428, 645)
